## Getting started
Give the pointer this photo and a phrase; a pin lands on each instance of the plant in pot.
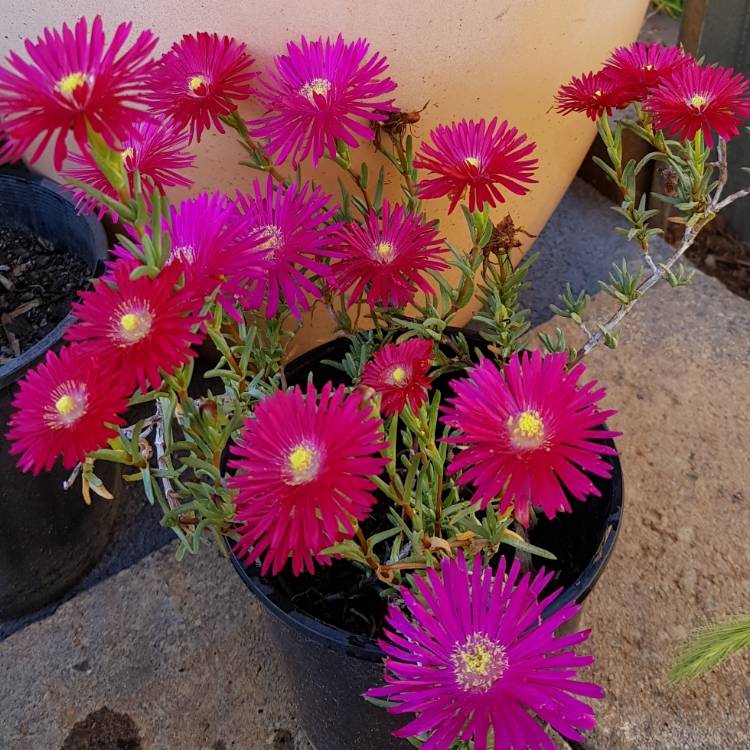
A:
(48, 538)
(437, 498)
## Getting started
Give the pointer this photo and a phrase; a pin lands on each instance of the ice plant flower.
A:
(388, 259)
(138, 326)
(592, 93)
(293, 224)
(479, 158)
(72, 78)
(704, 99)
(216, 247)
(199, 80)
(398, 373)
(155, 150)
(528, 433)
(320, 92)
(302, 468)
(635, 70)
(476, 663)
(64, 407)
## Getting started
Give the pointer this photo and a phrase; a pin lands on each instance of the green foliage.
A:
(671, 8)
(710, 647)
(504, 326)
(572, 305)
(623, 285)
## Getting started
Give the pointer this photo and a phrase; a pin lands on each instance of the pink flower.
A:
(398, 373)
(137, 327)
(302, 475)
(293, 226)
(216, 247)
(696, 98)
(475, 661)
(637, 68)
(320, 92)
(528, 433)
(388, 259)
(476, 157)
(64, 407)
(592, 93)
(155, 150)
(73, 78)
(199, 80)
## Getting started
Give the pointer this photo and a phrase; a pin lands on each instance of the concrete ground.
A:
(164, 655)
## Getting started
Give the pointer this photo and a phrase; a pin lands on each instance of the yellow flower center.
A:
(698, 101)
(598, 92)
(68, 85)
(526, 429)
(319, 86)
(649, 66)
(384, 252)
(473, 161)
(198, 84)
(302, 464)
(478, 663)
(64, 405)
(68, 403)
(398, 375)
(127, 153)
(131, 322)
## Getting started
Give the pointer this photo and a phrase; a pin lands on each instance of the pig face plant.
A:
(428, 458)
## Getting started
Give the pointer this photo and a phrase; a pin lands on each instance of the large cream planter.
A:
(468, 59)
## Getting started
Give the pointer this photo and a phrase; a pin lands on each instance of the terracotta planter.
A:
(468, 59)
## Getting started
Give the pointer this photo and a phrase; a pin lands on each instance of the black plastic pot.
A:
(328, 669)
(49, 538)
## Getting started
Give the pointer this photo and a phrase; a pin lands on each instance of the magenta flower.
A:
(476, 157)
(528, 433)
(696, 98)
(73, 78)
(293, 226)
(637, 68)
(302, 475)
(64, 407)
(592, 93)
(476, 663)
(398, 373)
(217, 248)
(155, 150)
(388, 259)
(320, 92)
(138, 327)
(199, 80)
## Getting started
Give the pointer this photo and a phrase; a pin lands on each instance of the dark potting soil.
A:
(346, 596)
(37, 285)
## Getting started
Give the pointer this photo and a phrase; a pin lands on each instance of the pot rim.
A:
(13, 371)
(367, 649)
